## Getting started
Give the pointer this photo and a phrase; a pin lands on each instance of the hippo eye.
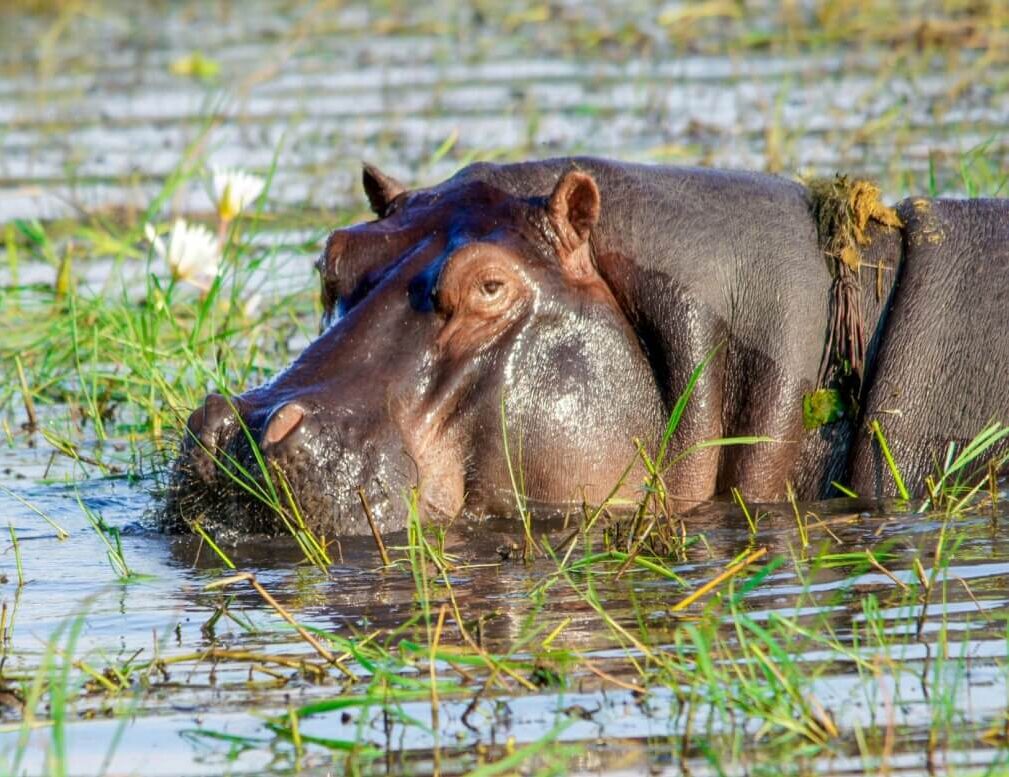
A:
(491, 287)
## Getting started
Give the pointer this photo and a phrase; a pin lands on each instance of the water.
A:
(92, 118)
(165, 614)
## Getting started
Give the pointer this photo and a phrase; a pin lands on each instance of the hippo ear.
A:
(380, 188)
(573, 209)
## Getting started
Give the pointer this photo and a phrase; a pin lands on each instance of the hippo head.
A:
(469, 348)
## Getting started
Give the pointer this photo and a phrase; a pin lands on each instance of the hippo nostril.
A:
(209, 425)
(284, 422)
(196, 419)
(216, 408)
(208, 430)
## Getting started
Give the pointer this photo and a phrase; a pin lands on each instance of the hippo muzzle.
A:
(251, 467)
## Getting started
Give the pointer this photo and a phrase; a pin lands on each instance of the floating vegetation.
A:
(843, 209)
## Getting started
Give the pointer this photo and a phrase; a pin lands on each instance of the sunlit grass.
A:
(648, 610)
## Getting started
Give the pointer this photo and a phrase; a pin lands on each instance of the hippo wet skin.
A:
(550, 313)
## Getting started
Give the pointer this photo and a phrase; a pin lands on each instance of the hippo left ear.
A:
(380, 188)
(573, 210)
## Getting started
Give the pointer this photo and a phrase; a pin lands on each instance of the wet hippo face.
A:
(464, 329)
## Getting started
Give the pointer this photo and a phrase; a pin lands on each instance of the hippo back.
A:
(943, 365)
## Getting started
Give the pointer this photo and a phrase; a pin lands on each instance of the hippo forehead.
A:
(460, 207)
(456, 212)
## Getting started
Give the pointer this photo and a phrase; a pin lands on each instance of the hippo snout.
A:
(208, 431)
(245, 461)
(215, 435)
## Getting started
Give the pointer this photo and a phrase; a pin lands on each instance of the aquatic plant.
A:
(192, 253)
(235, 190)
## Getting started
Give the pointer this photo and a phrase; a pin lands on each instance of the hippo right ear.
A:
(380, 188)
(573, 210)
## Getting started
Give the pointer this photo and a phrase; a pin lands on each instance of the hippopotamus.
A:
(524, 331)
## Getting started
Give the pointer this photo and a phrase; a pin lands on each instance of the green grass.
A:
(644, 609)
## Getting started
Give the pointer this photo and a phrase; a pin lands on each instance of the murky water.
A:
(92, 117)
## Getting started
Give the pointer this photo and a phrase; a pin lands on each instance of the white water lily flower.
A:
(234, 190)
(193, 254)
(251, 306)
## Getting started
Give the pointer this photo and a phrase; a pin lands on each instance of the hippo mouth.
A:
(244, 471)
